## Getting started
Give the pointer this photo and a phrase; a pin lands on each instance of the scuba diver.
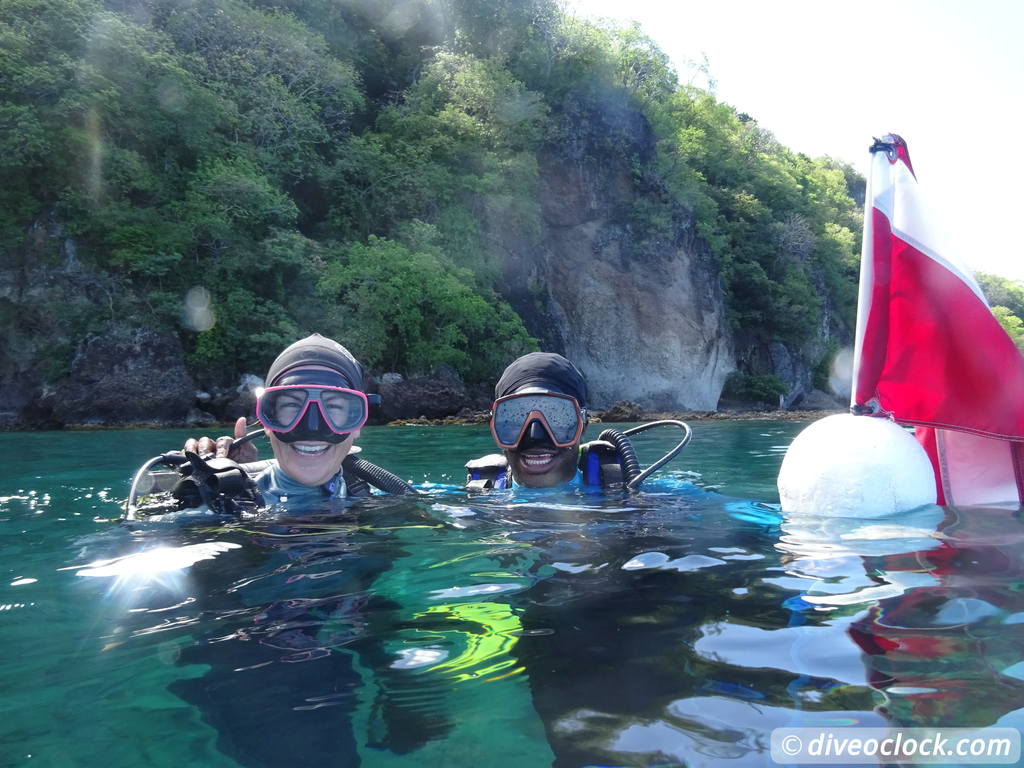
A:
(311, 411)
(298, 605)
(538, 419)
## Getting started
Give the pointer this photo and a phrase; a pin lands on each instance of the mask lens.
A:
(344, 411)
(561, 414)
(281, 409)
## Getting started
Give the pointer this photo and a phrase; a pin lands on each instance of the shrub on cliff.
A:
(402, 309)
(760, 389)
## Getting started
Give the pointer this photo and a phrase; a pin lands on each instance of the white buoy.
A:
(855, 466)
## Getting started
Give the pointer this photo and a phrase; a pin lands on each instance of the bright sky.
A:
(826, 76)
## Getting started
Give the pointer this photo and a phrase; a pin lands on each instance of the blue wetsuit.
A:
(575, 482)
(279, 488)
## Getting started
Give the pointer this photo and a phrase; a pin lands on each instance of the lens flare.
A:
(841, 377)
(171, 96)
(197, 313)
(94, 171)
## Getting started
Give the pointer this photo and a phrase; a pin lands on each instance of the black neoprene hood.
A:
(545, 370)
(318, 350)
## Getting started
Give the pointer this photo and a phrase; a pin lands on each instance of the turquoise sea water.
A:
(677, 626)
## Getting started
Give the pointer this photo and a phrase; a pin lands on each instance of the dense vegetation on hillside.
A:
(341, 165)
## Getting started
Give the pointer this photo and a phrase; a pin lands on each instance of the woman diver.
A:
(311, 411)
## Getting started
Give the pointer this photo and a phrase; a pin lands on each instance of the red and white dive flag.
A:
(929, 352)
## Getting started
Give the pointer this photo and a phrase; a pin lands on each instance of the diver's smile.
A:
(537, 459)
(311, 462)
(541, 466)
(309, 449)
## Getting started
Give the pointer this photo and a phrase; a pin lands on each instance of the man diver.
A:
(538, 419)
(312, 410)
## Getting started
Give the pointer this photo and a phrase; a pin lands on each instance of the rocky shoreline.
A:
(138, 378)
(481, 417)
(601, 417)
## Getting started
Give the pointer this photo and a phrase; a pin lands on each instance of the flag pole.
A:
(864, 286)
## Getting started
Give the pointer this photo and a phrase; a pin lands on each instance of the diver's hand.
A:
(224, 447)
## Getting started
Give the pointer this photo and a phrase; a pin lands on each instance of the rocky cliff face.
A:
(647, 326)
(795, 365)
(69, 357)
(125, 376)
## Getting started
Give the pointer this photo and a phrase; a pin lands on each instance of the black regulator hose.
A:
(634, 483)
(630, 463)
(632, 474)
(377, 476)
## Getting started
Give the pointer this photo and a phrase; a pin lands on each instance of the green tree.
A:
(1001, 291)
(1012, 324)
(409, 310)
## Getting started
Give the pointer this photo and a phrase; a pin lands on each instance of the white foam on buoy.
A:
(855, 466)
